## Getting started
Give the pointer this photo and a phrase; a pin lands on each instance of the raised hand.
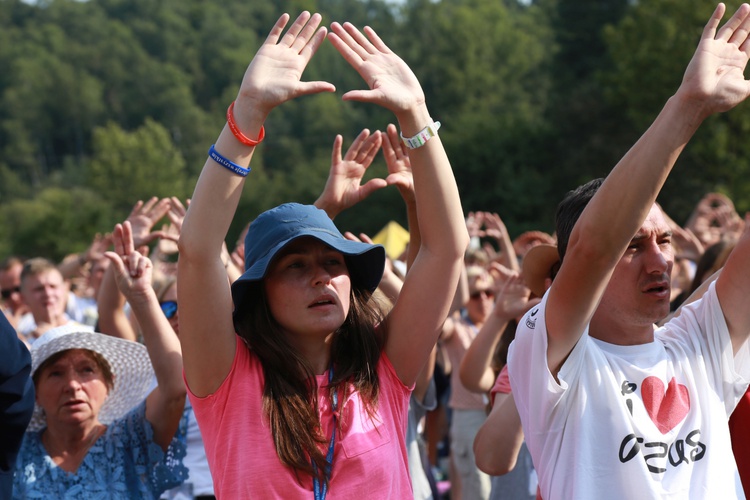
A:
(715, 75)
(474, 224)
(513, 297)
(392, 83)
(133, 270)
(171, 232)
(494, 227)
(144, 217)
(714, 216)
(274, 75)
(99, 245)
(397, 160)
(344, 186)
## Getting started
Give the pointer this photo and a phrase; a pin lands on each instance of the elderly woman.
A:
(98, 431)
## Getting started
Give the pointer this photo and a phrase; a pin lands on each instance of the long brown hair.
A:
(290, 391)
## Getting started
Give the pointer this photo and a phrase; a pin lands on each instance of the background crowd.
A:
(102, 325)
(504, 275)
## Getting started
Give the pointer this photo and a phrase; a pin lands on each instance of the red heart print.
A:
(666, 409)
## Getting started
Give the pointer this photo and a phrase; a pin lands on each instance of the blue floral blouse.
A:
(123, 463)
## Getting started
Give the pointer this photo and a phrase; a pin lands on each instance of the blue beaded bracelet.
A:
(230, 165)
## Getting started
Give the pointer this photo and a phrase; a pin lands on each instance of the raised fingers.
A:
(127, 238)
(354, 150)
(709, 31)
(278, 29)
(728, 32)
(336, 151)
(351, 43)
(308, 31)
(374, 40)
(740, 33)
(368, 148)
(291, 35)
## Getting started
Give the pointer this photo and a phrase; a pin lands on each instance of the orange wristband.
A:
(238, 133)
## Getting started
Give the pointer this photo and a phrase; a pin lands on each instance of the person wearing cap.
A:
(100, 429)
(611, 405)
(300, 387)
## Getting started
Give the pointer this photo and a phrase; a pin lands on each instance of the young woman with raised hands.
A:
(299, 385)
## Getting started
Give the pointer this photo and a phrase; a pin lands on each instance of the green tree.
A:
(55, 223)
(483, 65)
(651, 48)
(129, 166)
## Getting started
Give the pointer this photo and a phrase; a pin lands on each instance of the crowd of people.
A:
(607, 359)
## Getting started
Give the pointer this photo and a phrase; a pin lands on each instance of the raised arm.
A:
(511, 302)
(110, 304)
(272, 78)
(733, 289)
(399, 174)
(344, 186)
(70, 268)
(394, 86)
(500, 437)
(713, 82)
(495, 227)
(110, 301)
(165, 404)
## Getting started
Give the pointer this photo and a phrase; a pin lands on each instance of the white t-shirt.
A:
(626, 422)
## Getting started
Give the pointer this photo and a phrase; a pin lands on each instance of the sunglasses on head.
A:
(7, 293)
(169, 308)
(478, 294)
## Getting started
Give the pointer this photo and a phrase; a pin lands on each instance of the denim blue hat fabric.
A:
(276, 228)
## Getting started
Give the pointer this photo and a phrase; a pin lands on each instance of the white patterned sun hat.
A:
(129, 361)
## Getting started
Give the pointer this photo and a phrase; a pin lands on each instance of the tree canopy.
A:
(104, 102)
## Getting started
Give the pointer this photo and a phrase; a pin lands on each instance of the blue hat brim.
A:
(364, 261)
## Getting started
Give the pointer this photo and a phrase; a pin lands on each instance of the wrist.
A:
(138, 299)
(413, 119)
(329, 208)
(693, 111)
(501, 317)
(249, 114)
(408, 196)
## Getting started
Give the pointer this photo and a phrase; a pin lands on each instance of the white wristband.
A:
(422, 137)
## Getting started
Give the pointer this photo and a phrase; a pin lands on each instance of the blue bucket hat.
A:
(276, 228)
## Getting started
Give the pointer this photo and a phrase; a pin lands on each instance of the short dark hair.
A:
(570, 209)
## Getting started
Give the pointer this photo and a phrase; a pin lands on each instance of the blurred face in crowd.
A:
(10, 286)
(481, 299)
(96, 274)
(45, 294)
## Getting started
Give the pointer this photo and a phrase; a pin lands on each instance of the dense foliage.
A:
(105, 102)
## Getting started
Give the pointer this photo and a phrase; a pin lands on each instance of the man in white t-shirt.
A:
(612, 407)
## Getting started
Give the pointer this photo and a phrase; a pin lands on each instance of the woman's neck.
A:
(317, 353)
(68, 446)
